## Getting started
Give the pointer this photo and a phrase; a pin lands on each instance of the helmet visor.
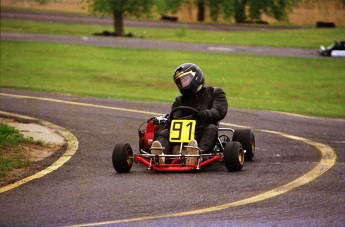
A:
(184, 79)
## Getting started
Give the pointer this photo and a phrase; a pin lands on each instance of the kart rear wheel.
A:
(233, 156)
(247, 139)
(122, 158)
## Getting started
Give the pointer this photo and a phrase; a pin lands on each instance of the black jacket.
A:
(211, 99)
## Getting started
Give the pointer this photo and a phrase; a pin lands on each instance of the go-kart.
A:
(336, 49)
(233, 152)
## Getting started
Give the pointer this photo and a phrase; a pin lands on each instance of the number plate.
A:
(182, 130)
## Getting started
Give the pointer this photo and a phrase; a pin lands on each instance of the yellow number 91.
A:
(182, 131)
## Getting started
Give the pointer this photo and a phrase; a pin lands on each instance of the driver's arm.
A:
(177, 103)
(219, 107)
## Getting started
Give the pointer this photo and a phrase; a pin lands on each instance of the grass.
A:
(312, 86)
(298, 38)
(10, 136)
(11, 154)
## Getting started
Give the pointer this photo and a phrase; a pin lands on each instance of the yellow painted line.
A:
(305, 116)
(72, 146)
(327, 161)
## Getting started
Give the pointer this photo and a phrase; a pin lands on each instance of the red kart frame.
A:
(178, 164)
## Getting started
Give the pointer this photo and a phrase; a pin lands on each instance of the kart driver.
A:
(211, 104)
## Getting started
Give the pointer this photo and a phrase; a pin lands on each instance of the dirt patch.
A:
(32, 155)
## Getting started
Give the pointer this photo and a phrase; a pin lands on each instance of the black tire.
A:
(122, 158)
(247, 139)
(233, 156)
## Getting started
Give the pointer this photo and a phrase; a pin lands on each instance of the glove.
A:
(202, 116)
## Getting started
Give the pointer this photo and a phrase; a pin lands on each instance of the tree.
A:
(201, 9)
(216, 8)
(138, 8)
(277, 9)
(248, 10)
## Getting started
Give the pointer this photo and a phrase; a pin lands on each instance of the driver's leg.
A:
(163, 138)
(207, 138)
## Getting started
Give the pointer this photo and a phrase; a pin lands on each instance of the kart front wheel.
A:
(233, 156)
(122, 158)
(247, 139)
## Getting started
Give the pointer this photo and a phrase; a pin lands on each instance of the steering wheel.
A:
(188, 108)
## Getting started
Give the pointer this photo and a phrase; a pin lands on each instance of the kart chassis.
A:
(233, 152)
(178, 161)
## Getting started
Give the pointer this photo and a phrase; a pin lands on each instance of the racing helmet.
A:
(188, 77)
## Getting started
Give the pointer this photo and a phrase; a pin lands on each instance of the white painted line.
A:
(221, 49)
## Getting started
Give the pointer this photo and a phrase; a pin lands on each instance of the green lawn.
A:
(312, 86)
(299, 38)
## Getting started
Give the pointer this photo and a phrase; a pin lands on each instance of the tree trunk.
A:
(240, 10)
(118, 23)
(201, 10)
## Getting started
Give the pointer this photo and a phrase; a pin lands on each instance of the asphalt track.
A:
(296, 179)
(293, 180)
